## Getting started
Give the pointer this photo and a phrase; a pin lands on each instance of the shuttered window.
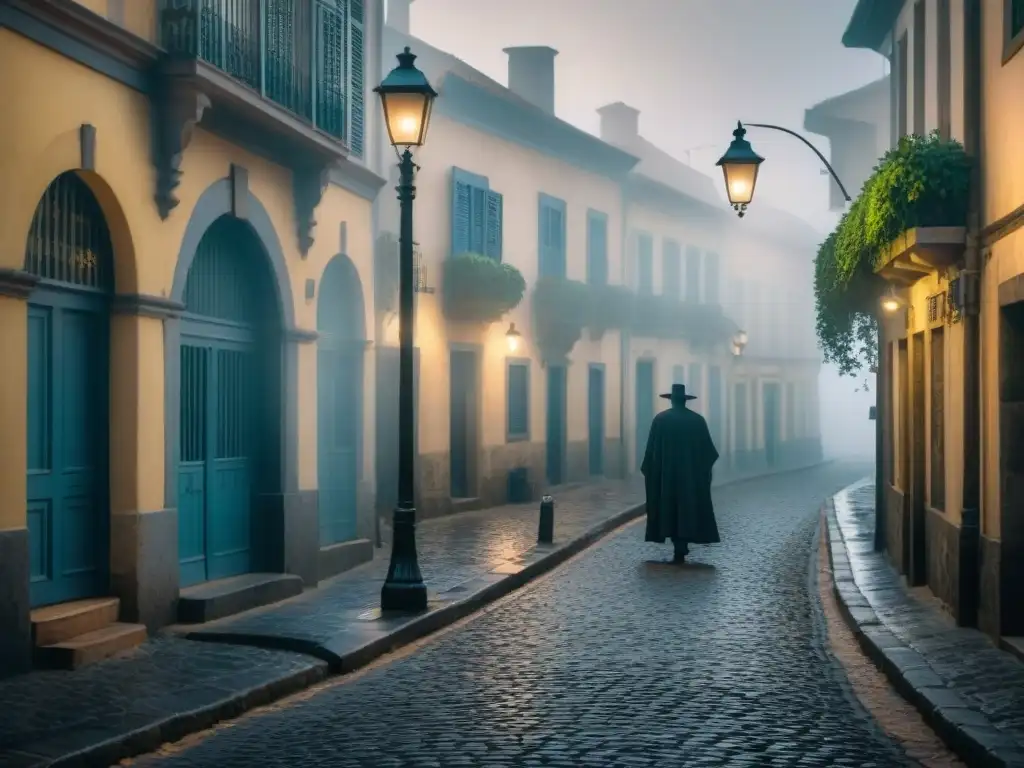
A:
(644, 264)
(551, 236)
(597, 248)
(671, 269)
(476, 216)
(692, 274)
(693, 380)
(518, 401)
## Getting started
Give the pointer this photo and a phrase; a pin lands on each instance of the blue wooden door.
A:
(67, 411)
(339, 388)
(462, 421)
(340, 349)
(771, 423)
(595, 419)
(644, 407)
(227, 417)
(741, 443)
(556, 425)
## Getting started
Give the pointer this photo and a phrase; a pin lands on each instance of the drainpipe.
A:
(970, 522)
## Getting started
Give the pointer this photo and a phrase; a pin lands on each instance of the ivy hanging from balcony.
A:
(479, 289)
(922, 182)
(561, 309)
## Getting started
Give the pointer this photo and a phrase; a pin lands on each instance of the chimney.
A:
(531, 74)
(398, 15)
(620, 123)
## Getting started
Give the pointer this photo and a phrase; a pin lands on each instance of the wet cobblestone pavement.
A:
(619, 659)
(976, 688)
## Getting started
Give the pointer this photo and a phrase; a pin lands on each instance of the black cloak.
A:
(677, 475)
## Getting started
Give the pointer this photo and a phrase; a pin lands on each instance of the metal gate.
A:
(222, 415)
(68, 363)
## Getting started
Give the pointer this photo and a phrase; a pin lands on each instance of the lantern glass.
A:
(741, 338)
(513, 338)
(890, 304)
(407, 116)
(740, 179)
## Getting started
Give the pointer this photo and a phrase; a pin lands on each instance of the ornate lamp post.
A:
(406, 97)
(740, 165)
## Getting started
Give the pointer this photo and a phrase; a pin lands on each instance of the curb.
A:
(964, 729)
(335, 662)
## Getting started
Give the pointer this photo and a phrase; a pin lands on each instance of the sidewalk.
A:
(968, 690)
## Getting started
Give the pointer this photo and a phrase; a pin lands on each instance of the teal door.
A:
(741, 444)
(68, 394)
(228, 422)
(556, 425)
(771, 423)
(595, 419)
(644, 407)
(462, 421)
(340, 351)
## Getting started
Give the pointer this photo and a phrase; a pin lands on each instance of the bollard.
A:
(546, 528)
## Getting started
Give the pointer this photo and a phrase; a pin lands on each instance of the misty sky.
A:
(692, 68)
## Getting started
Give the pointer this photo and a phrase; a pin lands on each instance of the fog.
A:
(693, 67)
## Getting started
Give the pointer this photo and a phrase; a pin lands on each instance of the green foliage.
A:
(478, 289)
(561, 309)
(922, 182)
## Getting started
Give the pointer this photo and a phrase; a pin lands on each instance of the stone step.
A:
(226, 597)
(57, 623)
(90, 647)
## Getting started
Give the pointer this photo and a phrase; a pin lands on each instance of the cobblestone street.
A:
(616, 660)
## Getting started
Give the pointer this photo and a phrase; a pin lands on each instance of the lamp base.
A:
(403, 588)
(407, 598)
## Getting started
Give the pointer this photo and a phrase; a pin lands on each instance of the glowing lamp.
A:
(407, 99)
(740, 165)
(513, 338)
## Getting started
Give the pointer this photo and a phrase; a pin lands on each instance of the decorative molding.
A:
(300, 335)
(179, 109)
(343, 238)
(145, 305)
(357, 179)
(72, 30)
(1003, 227)
(308, 187)
(17, 283)
(87, 145)
(239, 178)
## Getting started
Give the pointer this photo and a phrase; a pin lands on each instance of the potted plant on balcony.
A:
(561, 308)
(479, 289)
(909, 220)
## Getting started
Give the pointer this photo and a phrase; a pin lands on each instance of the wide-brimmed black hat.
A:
(678, 393)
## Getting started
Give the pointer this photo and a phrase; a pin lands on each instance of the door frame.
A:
(473, 441)
(917, 573)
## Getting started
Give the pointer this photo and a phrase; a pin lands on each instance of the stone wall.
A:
(943, 563)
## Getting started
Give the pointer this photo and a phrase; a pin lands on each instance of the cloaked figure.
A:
(677, 476)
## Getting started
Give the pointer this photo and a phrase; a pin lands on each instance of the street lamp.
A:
(512, 338)
(740, 165)
(739, 341)
(890, 302)
(406, 98)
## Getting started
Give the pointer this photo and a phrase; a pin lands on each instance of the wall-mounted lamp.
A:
(513, 338)
(890, 302)
(739, 341)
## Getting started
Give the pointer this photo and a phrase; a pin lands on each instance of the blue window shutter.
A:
(461, 212)
(597, 248)
(495, 205)
(562, 260)
(477, 219)
(692, 274)
(356, 84)
(645, 264)
(671, 277)
(551, 237)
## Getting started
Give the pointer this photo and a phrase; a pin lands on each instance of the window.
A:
(551, 237)
(671, 269)
(716, 413)
(476, 216)
(644, 264)
(944, 42)
(518, 401)
(693, 380)
(711, 279)
(901, 87)
(1013, 20)
(692, 274)
(597, 248)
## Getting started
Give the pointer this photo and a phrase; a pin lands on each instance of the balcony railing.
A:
(304, 55)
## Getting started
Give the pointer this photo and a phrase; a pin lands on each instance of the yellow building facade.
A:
(186, 254)
(496, 423)
(950, 517)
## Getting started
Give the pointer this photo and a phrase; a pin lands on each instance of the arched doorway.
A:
(230, 414)
(69, 249)
(340, 350)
